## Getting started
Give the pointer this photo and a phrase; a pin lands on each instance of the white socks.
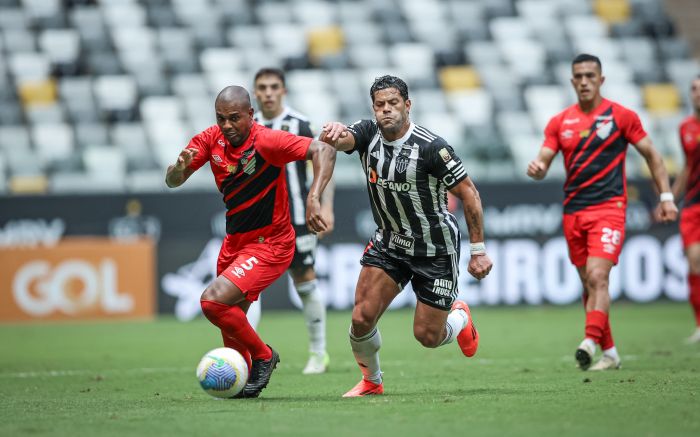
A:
(612, 353)
(366, 351)
(314, 310)
(456, 321)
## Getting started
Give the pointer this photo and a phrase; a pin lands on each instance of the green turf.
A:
(138, 379)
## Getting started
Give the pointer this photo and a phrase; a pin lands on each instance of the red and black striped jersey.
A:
(251, 178)
(690, 139)
(594, 146)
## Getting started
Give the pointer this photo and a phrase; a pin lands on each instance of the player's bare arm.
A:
(179, 172)
(538, 167)
(322, 157)
(680, 183)
(668, 211)
(327, 199)
(337, 135)
(480, 264)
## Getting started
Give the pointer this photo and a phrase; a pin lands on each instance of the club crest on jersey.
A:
(603, 129)
(445, 155)
(249, 165)
(402, 160)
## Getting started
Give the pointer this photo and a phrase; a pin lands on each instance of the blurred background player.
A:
(270, 91)
(248, 162)
(688, 181)
(593, 135)
(409, 171)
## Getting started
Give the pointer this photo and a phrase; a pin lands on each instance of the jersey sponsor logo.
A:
(400, 187)
(443, 287)
(445, 155)
(604, 117)
(567, 134)
(570, 121)
(239, 270)
(401, 241)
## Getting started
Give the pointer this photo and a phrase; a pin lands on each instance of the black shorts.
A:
(434, 278)
(305, 250)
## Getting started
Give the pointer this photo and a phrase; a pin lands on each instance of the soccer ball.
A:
(222, 372)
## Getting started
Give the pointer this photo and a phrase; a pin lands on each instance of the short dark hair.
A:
(585, 57)
(270, 71)
(388, 81)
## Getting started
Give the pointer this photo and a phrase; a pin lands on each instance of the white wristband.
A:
(477, 248)
(666, 197)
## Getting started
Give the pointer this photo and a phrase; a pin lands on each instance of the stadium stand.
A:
(100, 95)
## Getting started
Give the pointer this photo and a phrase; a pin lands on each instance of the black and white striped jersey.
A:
(407, 181)
(293, 122)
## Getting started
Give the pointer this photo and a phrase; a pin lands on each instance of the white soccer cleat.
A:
(695, 338)
(318, 363)
(584, 354)
(606, 362)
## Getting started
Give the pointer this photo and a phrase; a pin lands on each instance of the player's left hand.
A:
(479, 266)
(666, 212)
(314, 219)
(329, 219)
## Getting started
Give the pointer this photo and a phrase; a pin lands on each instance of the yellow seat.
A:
(612, 11)
(325, 41)
(41, 92)
(34, 184)
(458, 78)
(661, 98)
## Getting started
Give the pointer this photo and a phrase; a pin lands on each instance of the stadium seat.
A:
(53, 141)
(314, 13)
(160, 108)
(473, 107)
(457, 78)
(417, 61)
(28, 184)
(40, 92)
(131, 138)
(49, 113)
(105, 163)
(241, 37)
(544, 102)
(28, 66)
(62, 47)
(324, 42)
(146, 181)
(115, 93)
(661, 98)
(90, 134)
(612, 11)
(368, 55)
(584, 26)
(189, 85)
(471, 24)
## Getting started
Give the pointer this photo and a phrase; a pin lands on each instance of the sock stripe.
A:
(450, 331)
(364, 337)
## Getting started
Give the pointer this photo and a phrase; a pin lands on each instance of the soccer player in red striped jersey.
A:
(688, 181)
(248, 161)
(593, 136)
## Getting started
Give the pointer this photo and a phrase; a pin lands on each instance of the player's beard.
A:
(394, 128)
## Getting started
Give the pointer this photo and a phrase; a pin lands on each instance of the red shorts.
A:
(254, 266)
(690, 225)
(597, 233)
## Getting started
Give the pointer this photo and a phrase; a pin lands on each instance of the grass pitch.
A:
(138, 379)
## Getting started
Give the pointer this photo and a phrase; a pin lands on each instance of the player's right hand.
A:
(536, 170)
(185, 159)
(332, 132)
(479, 266)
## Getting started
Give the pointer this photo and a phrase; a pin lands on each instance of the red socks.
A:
(232, 343)
(606, 340)
(234, 324)
(694, 282)
(596, 321)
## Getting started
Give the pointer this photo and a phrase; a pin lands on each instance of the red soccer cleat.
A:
(468, 338)
(365, 388)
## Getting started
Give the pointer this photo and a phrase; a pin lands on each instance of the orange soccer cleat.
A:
(468, 338)
(365, 388)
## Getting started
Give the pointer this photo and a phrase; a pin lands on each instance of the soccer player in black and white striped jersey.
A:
(409, 171)
(270, 90)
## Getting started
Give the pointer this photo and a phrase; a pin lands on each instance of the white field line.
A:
(145, 370)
